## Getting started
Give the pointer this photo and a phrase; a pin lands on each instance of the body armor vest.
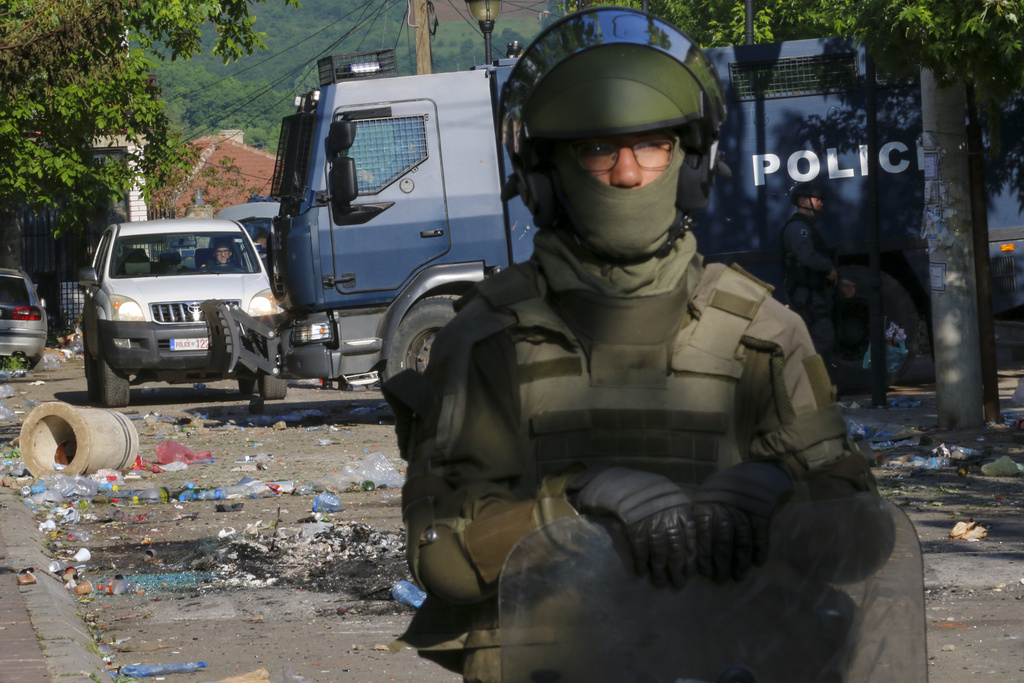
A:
(795, 273)
(647, 383)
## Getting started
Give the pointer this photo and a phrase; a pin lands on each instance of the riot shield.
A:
(840, 600)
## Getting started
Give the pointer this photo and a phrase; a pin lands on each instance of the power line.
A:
(242, 103)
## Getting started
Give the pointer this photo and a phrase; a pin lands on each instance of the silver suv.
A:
(142, 316)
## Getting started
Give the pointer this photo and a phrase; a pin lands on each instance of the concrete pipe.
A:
(61, 438)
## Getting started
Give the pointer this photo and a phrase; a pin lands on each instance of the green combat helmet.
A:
(610, 71)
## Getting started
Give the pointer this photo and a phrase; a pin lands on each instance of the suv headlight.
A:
(263, 303)
(122, 308)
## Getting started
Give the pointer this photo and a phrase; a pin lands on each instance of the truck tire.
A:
(113, 391)
(853, 334)
(272, 387)
(411, 346)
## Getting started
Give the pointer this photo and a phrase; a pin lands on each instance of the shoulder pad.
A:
(732, 290)
(514, 284)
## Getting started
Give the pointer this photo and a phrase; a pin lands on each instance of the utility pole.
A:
(947, 227)
(422, 27)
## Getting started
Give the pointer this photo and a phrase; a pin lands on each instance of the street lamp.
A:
(485, 12)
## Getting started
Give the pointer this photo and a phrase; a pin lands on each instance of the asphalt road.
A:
(321, 611)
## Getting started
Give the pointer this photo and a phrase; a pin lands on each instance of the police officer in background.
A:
(613, 374)
(808, 267)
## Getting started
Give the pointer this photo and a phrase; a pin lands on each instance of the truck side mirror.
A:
(341, 136)
(343, 184)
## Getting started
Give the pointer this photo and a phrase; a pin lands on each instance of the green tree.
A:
(717, 23)
(75, 76)
(976, 43)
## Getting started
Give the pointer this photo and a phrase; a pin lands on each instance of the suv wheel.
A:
(246, 385)
(272, 388)
(92, 381)
(112, 388)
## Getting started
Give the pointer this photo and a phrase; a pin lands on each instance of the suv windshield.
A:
(182, 254)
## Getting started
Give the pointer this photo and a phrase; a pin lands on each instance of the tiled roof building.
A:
(228, 172)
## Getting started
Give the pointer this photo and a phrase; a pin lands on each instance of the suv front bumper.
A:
(148, 345)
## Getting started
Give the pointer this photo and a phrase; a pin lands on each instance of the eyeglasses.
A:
(601, 156)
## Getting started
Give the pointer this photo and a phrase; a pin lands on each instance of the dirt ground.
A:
(249, 588)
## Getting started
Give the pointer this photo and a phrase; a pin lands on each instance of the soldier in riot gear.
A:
(613, 374)
(809, 267)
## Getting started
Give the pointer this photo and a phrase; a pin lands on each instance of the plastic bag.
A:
(895, 357)
(1018, 393)
(172, 451)
(895, 349)
(376, 468)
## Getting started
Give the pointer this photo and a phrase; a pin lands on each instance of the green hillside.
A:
(206, 96)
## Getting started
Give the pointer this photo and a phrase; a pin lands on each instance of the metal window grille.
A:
(794, 76)
(386, 149)
(1004, 276)
(295, 151)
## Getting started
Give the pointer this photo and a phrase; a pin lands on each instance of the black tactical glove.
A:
(655, 513)
(733, 512)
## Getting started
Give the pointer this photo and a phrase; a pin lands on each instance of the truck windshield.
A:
(182, 254)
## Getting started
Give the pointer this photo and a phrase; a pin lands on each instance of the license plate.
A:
(198, 344)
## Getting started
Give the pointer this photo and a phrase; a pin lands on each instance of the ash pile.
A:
(349, 558)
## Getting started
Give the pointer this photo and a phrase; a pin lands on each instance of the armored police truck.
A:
(391, 206)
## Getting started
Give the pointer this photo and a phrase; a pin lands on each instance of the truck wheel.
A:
(272, 388)
(411, 345)
(853, 334)
(112, 388)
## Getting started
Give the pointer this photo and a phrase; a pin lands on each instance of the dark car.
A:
(22, 317)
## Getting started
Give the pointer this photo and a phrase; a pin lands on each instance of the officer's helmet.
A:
(610, 71)
(808, 189)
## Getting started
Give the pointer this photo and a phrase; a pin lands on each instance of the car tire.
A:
(246, 385)
(113, 390)
(410, 348)
(272, 388)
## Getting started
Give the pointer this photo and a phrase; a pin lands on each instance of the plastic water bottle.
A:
(327, 502)
(408, 594)
(147, 670)
(157, 494)
(79, 535)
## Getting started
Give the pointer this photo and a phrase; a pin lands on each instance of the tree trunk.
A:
(947, 226)
(10, 238)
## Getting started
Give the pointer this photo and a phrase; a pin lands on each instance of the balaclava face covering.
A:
(616, 223)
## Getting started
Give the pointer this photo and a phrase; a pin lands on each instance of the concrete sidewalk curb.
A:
(68, 648)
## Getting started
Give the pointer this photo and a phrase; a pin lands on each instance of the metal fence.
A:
(53, 263)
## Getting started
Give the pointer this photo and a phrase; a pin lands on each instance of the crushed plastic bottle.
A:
(327, 502)
(79, 535)
(147, 670)
(408, 594)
